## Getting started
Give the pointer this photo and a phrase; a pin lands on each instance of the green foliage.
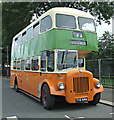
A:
(106, 47)
(101, 10)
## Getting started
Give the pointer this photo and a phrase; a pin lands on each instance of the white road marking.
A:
(81, 117)
(73, 119)
(11, 86)
(112, 113)
(68, 117)
(11, 117)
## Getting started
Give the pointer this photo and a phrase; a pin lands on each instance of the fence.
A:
(103, 69)
(5, 72)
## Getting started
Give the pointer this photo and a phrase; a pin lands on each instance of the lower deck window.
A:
(22, 64)
(43, 61)
(50, 62)
(28, 62)
(18, 65)
(34, 64)
(14, 65)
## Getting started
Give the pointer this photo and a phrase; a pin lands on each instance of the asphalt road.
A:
(22, 106)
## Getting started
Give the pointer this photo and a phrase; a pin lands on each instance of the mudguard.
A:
(51, 87)
(97, 90)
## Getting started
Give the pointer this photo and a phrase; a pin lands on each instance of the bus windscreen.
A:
(86, 24)
(65, 21)
(66, 59)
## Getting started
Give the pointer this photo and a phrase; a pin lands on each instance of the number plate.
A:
(81, 100)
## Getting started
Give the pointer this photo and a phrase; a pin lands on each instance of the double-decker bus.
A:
(48, 58)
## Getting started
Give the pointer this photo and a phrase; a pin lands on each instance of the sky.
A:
(104, 27)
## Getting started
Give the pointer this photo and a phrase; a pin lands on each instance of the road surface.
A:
(22, 106)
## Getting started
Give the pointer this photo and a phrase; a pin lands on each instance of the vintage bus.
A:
(48, 58)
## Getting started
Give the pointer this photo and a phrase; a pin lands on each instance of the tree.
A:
(105, 46)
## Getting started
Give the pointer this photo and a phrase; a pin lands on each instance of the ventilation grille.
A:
(80, 84)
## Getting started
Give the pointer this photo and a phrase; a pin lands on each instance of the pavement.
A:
(106, 96)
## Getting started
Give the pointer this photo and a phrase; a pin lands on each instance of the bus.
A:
(48, 58)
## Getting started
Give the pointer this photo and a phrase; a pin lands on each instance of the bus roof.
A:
(61, 10)
(70, 11)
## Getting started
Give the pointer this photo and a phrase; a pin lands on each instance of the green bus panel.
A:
(53, 39)
(63, 38)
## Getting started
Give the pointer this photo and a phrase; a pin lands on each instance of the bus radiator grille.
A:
(80, 84)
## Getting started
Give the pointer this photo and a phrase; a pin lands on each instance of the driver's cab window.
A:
(50, 61)
(43, 61)
(80, 62)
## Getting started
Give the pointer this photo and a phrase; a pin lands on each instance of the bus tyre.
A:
(96, 99)
(48, 100)
(16, 86)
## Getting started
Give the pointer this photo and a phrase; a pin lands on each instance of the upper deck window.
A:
(29, 33)
(16, 41)
(19, 38)
(36, 29)
(86, 24)
(65, 21)
(46, 23)
(24, 37)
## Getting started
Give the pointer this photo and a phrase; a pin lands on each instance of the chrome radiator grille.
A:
(80, 84)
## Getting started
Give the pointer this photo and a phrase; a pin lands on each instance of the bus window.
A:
(46, 23)
(86, 24)
(50, 61)
(80, 62)
(28, 62)
(43, 61)
(34, 64)
(18, 65)
(36, 29)
(14, 65)
(24, 36)
(29, 33)
(22, 64)
(19, 38)
(65, 21)
(66, 59)
(16, 41)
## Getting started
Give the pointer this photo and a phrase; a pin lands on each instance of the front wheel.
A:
(96, 99)
(48, 100)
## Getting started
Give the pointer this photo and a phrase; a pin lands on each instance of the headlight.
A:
(98, 84)
(61, 86)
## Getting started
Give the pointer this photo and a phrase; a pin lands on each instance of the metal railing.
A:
(103, 69)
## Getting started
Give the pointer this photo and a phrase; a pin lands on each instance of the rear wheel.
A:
(48, 100)
(96, 99)
(16, 85)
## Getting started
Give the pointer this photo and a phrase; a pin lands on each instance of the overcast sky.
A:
(104, 27)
